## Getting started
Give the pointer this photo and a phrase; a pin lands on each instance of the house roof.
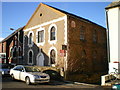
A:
(67, 13)
(113, 4)
(19, 29)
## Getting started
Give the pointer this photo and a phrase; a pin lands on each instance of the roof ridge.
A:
(12, 34)
(71, 14)
(115, 3)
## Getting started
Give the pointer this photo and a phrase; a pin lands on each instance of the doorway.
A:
(40, 59)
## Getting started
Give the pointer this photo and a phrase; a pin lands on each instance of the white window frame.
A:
(32, 57)
(30, 45)
(55, 55)
(49, 29)
(40, 43)
(11, 51)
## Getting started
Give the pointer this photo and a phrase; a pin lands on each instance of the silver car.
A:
(29, 74)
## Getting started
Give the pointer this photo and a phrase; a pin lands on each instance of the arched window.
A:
(52, 33)
(73, 24)
(25, 39)
(30, 38)
(11, 52)
(15, 52)
(19, 51)
(30, 57)
(52, 56)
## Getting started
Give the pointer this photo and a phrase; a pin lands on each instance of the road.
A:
(7, 83)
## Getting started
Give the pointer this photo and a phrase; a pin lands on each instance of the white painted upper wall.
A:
(119, 34)
(113, 32)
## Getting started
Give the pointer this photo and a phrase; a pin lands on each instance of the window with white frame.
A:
(30, 39)
(11, 52)
(52, 33)
(25, 39)
(40, 36)
(52, 56)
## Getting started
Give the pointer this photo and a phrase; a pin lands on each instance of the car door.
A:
(16, 72)
(22, 74)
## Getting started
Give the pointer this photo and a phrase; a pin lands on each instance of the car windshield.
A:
(31, 69)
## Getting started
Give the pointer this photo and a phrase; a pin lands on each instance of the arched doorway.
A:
(40, 60)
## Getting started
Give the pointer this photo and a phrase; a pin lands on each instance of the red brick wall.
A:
(77, 64)
(3, 45)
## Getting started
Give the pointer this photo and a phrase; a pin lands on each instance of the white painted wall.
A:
(113, 22)
(119, 34)
(113, 33)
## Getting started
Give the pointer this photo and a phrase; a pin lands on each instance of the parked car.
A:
(54, 75)
(29, 74)
(5, 69)
(116, 87)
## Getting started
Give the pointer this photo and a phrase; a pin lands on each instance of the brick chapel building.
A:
(56, 38)
(12, 48)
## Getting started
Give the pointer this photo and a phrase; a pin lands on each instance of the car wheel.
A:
(27, 80)
(12, 76)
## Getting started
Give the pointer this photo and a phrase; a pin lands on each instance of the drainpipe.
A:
(108, 42)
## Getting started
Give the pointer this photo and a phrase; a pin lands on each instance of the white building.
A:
(113, 26)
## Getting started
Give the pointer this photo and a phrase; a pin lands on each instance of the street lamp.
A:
(12, 29)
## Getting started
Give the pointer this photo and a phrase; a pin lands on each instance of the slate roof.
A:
(12, 34)
(113, 4)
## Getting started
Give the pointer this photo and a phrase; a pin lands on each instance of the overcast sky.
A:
(17, 14)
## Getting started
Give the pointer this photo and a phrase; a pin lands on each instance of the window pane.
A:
(19, 51)
(82, 33)
(52, 56)
(15, 52)
(30, 57)
(52, 33)
(40, 36)
(30, 38)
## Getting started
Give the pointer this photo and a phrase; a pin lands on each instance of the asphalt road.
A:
(7, 83)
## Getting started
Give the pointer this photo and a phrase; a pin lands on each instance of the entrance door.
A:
(40, 60)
